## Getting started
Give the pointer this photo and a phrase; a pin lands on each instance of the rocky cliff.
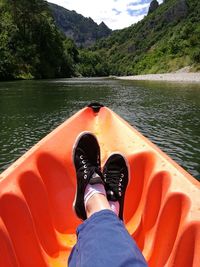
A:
(153, 6)
(84, 31)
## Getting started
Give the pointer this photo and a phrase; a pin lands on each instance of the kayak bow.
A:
(38, 225)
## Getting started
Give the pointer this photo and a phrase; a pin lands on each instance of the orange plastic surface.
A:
(38, 225)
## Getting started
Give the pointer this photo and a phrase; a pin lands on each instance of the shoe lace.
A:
(114, 179)
(88, 168)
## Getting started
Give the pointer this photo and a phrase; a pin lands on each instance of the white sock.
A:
(114, 205)
(92, 189)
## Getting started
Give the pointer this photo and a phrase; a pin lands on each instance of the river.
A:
(167, 113)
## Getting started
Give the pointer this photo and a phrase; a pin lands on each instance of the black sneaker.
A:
(115, 174)
(86, 157)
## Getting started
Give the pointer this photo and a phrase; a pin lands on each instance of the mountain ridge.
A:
(84, 31)
(32, 46)
(165, 40)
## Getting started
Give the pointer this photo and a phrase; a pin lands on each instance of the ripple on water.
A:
(169, 115)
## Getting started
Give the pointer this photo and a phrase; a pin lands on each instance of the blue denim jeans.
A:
(103, 241)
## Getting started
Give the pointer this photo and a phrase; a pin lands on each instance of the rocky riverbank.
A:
(193, 77)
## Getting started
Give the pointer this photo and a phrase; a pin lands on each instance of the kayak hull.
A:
(38, 224)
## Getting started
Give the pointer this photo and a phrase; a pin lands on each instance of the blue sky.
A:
(117, 14)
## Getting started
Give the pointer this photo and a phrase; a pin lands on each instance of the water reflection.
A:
(167, 113)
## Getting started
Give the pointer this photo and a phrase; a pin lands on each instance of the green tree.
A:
(92, 63)
(8, 31)
(30, 43)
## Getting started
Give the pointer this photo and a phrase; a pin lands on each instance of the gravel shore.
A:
(193, 77)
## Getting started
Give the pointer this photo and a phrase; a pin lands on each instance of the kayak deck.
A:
(38, 225)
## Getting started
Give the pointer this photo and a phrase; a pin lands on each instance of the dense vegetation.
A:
(165, 40)
(31, 46)
(84, 31)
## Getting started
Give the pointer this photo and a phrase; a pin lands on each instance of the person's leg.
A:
(102, 238)
(96, 203)
(104, 241)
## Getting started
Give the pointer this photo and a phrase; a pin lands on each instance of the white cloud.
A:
(105, 10)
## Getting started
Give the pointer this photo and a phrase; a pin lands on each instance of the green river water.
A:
(167, 113)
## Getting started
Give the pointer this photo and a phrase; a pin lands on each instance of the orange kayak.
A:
(38, 225)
